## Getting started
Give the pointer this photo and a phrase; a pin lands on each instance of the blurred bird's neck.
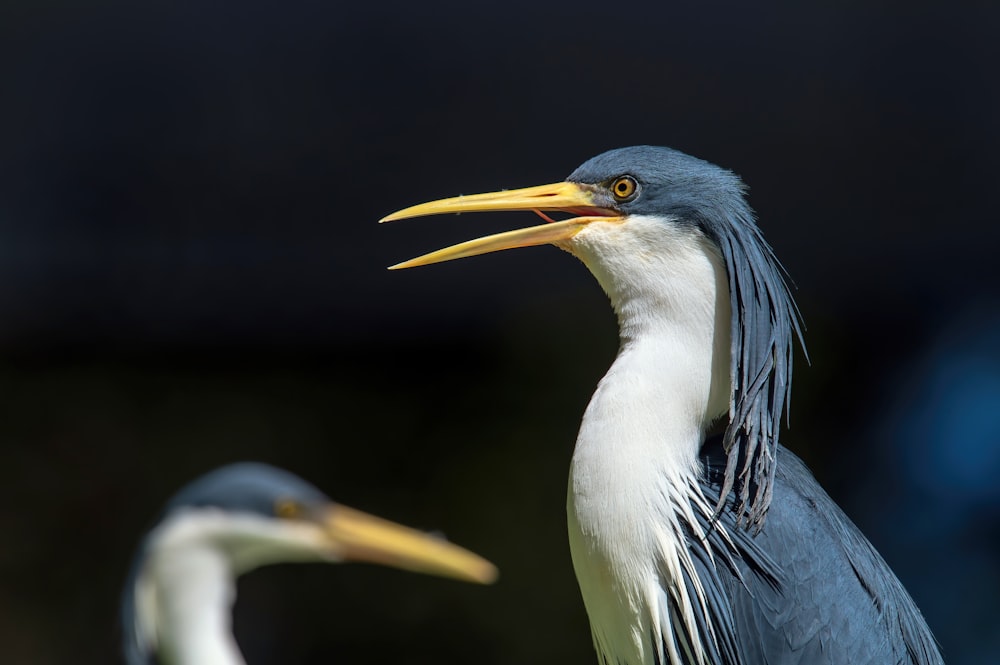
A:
(634, 476)
(185, 595)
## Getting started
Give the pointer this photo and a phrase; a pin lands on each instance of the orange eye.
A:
(287, 509)
(624, 187)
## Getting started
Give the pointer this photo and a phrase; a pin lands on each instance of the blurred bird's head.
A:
(246, 515)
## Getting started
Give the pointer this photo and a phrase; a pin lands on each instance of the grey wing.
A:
(810, 589)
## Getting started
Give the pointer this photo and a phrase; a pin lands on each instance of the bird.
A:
(696, 537)
(176, 605)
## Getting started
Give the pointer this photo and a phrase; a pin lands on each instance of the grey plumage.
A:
(247, 487)
(809, 587)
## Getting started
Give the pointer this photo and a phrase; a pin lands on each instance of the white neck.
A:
(635, 466)
(187, 584)
(184, 596)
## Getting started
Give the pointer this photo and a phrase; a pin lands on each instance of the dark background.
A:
(191, 274)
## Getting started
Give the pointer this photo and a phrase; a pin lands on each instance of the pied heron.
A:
(177, 601)
(692, 547)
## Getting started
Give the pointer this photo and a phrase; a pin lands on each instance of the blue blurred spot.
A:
(950, 440)
(943, 432)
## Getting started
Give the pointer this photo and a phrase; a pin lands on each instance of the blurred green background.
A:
(191, 274)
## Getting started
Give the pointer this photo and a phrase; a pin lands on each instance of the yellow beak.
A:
(358, 536)
(568, 197)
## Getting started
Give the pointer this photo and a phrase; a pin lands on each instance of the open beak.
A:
(568, 197)
(358, 536)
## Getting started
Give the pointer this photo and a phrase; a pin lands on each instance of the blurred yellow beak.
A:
(562, 197)
(358, 536)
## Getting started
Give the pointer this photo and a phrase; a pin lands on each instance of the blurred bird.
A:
(692, 546)
(177, 600)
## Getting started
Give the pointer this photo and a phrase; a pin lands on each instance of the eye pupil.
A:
(624, 187)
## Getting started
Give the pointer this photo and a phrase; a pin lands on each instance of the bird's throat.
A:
(671, 379)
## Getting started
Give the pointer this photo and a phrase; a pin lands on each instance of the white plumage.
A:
(633, 479)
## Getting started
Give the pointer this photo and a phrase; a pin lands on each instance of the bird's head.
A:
(255, 514)
(606, 195)
(632, 208)
(246, 515)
